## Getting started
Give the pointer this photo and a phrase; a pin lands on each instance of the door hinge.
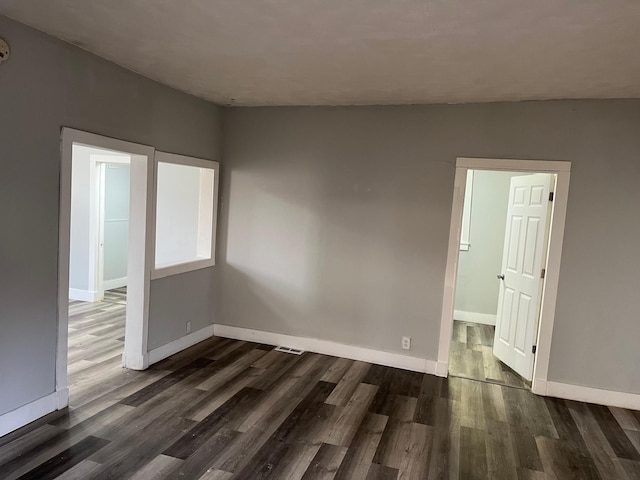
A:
(543, 273)
(534, 348)
(551, 196)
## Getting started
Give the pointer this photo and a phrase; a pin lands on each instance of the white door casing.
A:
(523, 258)
(139, 261)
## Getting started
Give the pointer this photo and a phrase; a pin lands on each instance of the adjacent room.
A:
(510, 216)
(98, 257)
(331, 240)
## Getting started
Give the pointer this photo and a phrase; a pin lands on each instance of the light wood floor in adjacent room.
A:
(96, 342)
(472, 356)
(230, 409)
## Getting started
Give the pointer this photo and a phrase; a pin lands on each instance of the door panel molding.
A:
(516, 352)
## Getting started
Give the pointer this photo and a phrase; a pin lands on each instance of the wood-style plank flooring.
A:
(96, 343)
(230, 409)
(471, 356)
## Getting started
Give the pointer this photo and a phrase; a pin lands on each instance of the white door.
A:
(523, 258)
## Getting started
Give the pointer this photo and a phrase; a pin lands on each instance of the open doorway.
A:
(505, 232)
(98, 258)
(499, 306)
(104, 261)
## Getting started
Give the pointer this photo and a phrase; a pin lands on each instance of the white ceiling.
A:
(344, 52)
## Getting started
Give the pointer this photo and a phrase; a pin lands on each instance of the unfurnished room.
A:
(320, 240)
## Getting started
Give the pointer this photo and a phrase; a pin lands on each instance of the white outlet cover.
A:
(4, 51)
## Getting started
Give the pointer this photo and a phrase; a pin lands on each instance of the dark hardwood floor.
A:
(230, 409)
(471, 356)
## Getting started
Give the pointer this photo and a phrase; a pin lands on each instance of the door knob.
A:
(500, 276)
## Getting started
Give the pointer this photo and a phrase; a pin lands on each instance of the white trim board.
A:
(31, 412)
(83, 295)
(327, 347)
(590, 395)
(180, 344)
(474, 317)
(539, 166)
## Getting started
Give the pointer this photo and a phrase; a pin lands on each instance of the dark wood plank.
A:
(381, 472)
(622, 447)
(232, 409)
(202, 459)
(326, 463)
(501, 459)
(66, 459)
(473, 464)
(526, 452)
(165, 382)
(362, 450)
(562, 460)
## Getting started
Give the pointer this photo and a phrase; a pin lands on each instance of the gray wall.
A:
(477, 288)
(116, 221)
(335, 221)
(45, 85)
(168, 318)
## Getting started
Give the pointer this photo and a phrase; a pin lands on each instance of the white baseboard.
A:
(62, 398)
(83, 295)
(180, 344)
(442, 369)
(474, 317)
(592, 395)
(327, 347)
(30, 412)
(115, 283)
(135, 362)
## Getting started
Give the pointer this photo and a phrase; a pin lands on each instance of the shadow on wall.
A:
(268, 267)
(307, 256)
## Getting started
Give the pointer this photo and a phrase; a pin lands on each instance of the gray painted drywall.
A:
(335, 223)
(477, 287)
(116, 221)
(168, 320)
(47, 84)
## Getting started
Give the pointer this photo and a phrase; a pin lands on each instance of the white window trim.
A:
(189, 266)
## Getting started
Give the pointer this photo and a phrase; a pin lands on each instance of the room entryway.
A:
(98, 265)
(103, 295)
(507, 225)
(503, 249)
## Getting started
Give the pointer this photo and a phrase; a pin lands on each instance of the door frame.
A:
(135, 354)
(562, 170)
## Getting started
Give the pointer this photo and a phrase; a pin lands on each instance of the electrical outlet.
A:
(188, 327)
(406, 343)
